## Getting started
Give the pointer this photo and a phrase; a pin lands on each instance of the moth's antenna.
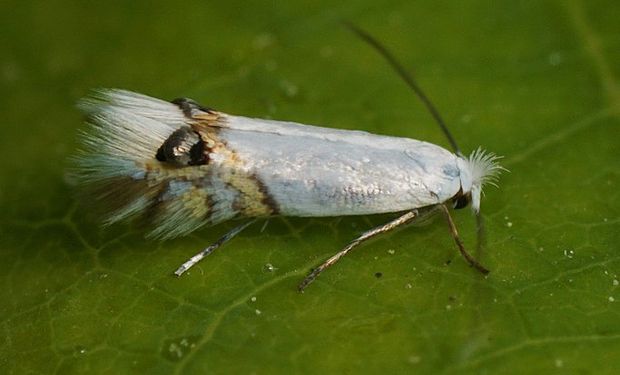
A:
(408, 78)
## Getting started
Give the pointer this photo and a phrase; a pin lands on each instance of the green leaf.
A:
(534, 81)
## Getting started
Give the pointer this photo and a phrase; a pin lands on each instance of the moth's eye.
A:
(183, 147)
(461, 202)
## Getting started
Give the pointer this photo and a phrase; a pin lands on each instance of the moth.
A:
(182, 166)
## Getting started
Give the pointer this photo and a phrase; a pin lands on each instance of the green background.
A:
(535, 81)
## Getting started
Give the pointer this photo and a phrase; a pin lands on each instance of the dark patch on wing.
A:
(190, 107)
(183, 147)
(268, 199)
(199, 153)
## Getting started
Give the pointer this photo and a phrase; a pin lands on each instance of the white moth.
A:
(183, 166)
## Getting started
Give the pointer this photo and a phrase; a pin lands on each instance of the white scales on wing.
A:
(315, 171)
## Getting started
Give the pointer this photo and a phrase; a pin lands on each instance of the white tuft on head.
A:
(484, 169)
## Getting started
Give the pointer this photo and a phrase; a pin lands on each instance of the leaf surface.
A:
(536, 82)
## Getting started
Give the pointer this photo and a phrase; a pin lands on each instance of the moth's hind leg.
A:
(402, 220)
(222, 240)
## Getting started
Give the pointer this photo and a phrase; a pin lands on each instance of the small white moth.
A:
(183, 166)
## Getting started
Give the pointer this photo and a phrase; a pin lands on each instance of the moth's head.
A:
(479, 169)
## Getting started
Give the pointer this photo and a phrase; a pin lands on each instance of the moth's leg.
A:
(402, 220)
(455, 234)
(198, 257)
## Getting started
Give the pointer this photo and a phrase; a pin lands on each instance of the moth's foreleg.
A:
(402, 220)
(455, 234)
(198, 257)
